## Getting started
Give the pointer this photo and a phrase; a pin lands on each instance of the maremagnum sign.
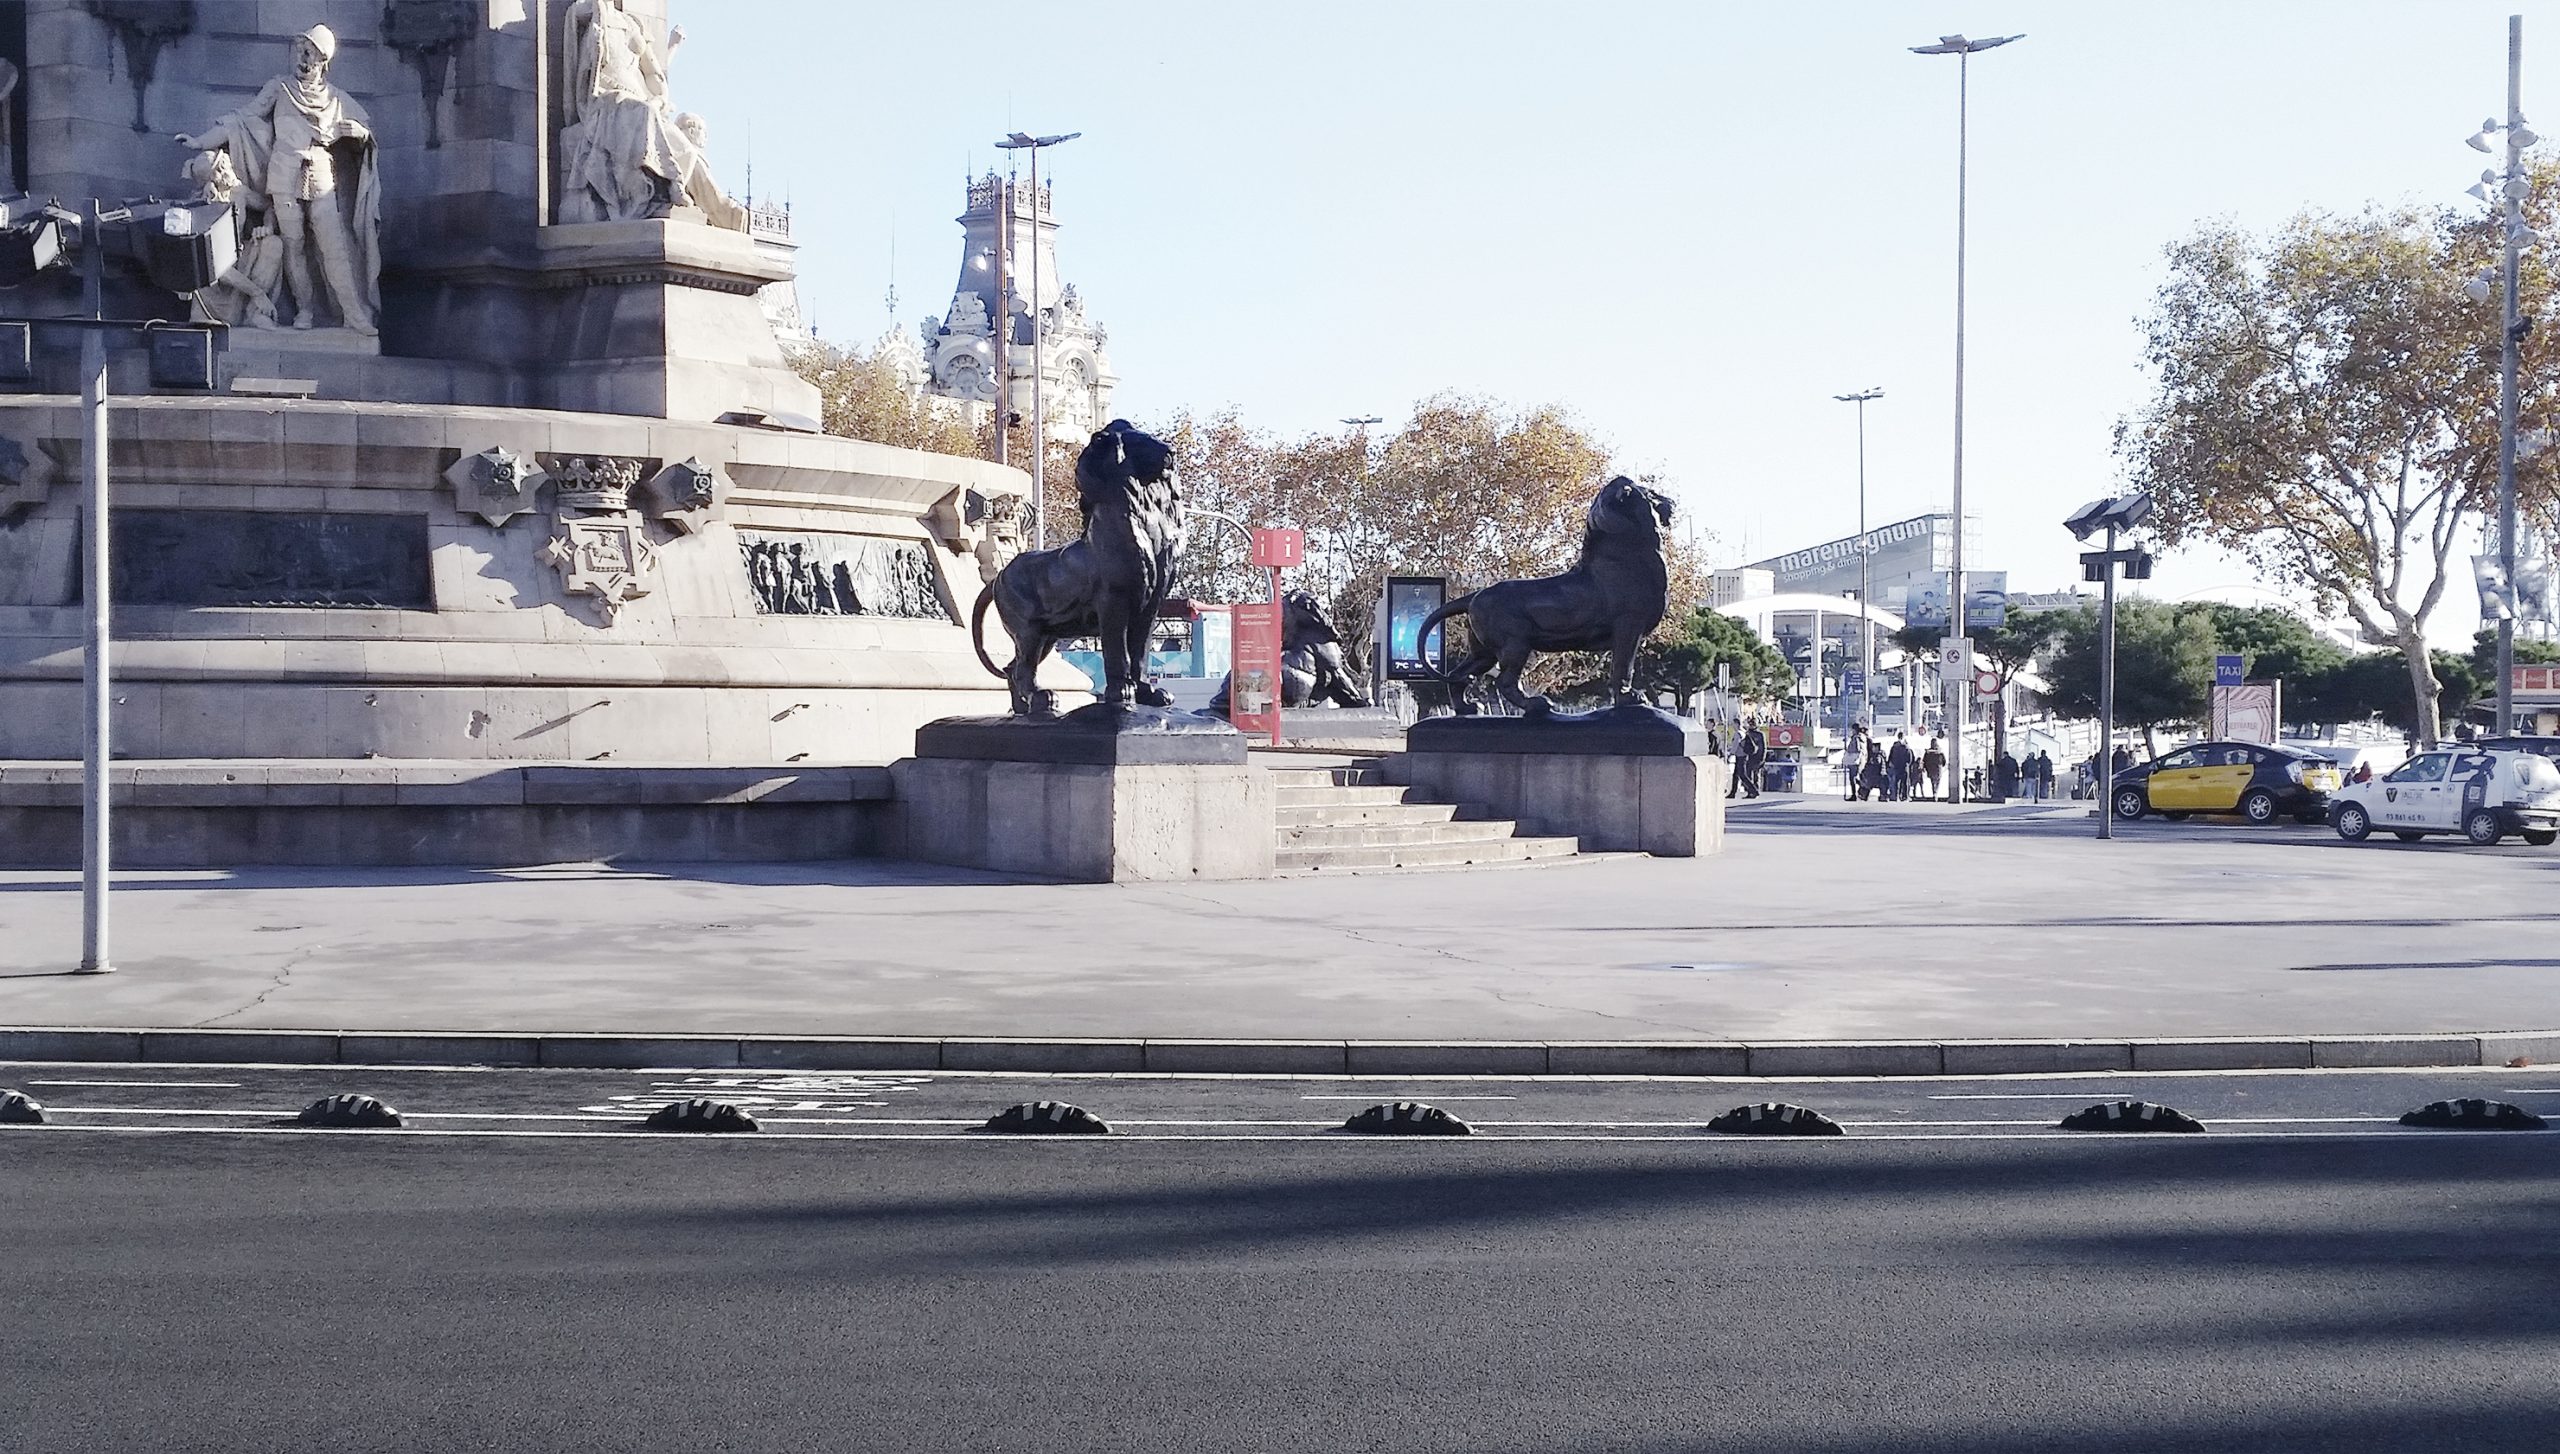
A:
(1791, 569)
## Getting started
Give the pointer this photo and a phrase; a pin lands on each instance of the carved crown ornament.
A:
(600, 482)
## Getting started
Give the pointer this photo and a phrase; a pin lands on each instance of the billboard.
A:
(1410, 599)
(1986, 601)
(1253, 694)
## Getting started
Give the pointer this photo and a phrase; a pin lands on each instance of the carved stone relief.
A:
(496, 484)
(808, 574)
(608, 557)
(688, 494)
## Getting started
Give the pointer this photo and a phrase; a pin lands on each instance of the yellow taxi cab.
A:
(2256, 781)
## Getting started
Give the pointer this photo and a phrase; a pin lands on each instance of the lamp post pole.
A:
(1002, 333)
(2107, 695)
(2511, 215)
(97, 683)
(1023, 141)
(1960, 691)
(1866, 623)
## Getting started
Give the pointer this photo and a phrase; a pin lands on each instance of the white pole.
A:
(1960, 690)
(97, 683)
(2511, 219)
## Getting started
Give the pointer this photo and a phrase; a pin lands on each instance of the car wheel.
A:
(2258, 806)
(2541, 837)
(2405, 836)
(2131, 804)
(2481, 827)
(2353, 823)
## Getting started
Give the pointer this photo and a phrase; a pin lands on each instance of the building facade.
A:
(956, 353)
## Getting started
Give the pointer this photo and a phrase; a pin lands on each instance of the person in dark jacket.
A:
(1871, 772)
(1934, 763)
(1897, 771)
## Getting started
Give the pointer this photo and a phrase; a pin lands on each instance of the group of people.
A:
(1894, 774)
(1750, 758)
(2028, 777)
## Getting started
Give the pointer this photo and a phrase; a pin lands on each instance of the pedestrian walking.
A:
(1897, 771)
(1871, 772)
(1748, 755)
(1934, 763)
(2123, 758)
(2044, 775)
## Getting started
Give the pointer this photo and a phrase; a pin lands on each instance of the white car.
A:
(2484, 796)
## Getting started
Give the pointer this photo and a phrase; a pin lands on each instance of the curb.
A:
(1412, 1058)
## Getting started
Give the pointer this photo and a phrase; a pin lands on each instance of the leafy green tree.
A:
(2373, 684)
(2484, 656)
(2005, 651)
(2276, 643)
(2164, 665)
(2326, 407)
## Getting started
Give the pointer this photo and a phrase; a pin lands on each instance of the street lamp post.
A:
(99, 685)
(1866, 623)
(1959, 691)
(2113, 516)
(1023, 141)
(2512, 188)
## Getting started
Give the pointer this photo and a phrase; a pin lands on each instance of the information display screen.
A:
(1410, 599)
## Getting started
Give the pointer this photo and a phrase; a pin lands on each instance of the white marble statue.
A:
(624, 151)
(300, 159)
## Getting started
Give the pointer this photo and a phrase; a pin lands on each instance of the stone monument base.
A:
(319, 812)
(1100, 795)
(1624, 780)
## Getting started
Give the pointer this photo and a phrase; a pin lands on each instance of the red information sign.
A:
(2537, 678)
(1786, 734)
(1253, 694)
(1279, 546)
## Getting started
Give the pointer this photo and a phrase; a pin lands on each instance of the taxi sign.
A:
(2229, 670)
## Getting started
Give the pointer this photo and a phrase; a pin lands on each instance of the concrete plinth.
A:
(1669, 806)
(1089, 823)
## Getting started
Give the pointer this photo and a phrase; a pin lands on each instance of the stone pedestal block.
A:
(1089, 823)
(1670, 806)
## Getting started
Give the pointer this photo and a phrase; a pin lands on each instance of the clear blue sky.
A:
(1692, 224)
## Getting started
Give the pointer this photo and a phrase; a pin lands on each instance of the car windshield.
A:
(2427, 767)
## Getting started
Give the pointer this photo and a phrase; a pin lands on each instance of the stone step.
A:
(1386, 835)
(1424, 855)
(1356, 797)
(1356, 775)
(1323, 814)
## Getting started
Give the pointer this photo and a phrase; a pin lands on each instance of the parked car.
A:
(2258, 782)
(2484, 795)
(2382, 757)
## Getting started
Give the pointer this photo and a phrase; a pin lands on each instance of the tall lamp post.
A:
(2113, 517)
(1024, 141)
(1960, 690)
(1866, 623)
(2511, 190)
(182, 248)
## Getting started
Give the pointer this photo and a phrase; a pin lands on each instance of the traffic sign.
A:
(1279, 546)
(1953, 653)
(1853, 681)
(1986, 683)
(2229, 670)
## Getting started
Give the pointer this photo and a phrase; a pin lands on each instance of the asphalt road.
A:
(2288, 1281)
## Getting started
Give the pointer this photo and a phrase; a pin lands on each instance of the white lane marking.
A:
(156, 1111)
(151, 1084)
(2041, 1096)
(1436, 1098)
(2049, 1137)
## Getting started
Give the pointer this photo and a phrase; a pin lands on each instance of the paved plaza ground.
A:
(1821, 921)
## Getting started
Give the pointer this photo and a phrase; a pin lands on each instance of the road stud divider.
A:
(349, 1112)
(1774, 1118)
(1406, 1118)
(701, 1116)
(2473, 1114)
(17, 1108)
(1047, 1118)
(2130, 1116)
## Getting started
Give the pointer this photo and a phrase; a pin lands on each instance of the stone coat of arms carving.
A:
(688, 494)
(496, 484)
(608, 557)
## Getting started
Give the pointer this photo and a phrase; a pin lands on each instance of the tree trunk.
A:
(2425, 690)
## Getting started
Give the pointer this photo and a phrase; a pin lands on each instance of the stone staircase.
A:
(1349, 817)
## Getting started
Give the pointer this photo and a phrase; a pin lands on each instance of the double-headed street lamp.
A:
(181, 248)
(2113, 517)
(1024, 141)
(1866, 623)
(1959, 686)
(2508, 190)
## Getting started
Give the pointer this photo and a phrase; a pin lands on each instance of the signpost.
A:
(1253, 698)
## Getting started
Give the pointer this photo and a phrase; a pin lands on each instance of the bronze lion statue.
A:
(1108, 584)
(1312, 672)
(1611, 598)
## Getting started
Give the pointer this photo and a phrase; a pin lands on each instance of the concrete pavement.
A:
(1822, 922)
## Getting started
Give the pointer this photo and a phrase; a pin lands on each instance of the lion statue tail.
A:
(1447, 609)
(978, 629)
